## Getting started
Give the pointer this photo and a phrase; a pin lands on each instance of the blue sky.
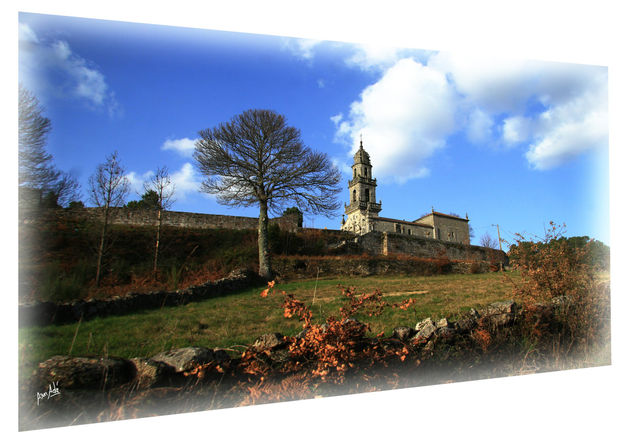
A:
(511, 142)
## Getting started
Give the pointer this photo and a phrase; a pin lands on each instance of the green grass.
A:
(238, 319)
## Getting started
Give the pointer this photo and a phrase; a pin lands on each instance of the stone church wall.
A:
(392, 243)
(406, 228)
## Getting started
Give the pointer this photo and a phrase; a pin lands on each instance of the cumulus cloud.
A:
(551, 111)
(52, 68)
(479, 126)
(570, 129)
(516, 129)
(559, 110)
(184, 146)
(404, 118)
(185, 181)
(368, 57)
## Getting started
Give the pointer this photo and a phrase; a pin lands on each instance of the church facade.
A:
(363, 211)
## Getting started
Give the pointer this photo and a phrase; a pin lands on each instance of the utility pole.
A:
(499, 236)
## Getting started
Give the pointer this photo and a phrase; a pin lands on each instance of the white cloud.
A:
(184, 146)
(52, 68)
(570, 129)
(368, 57)
(302, 48)
(479, 126)
(403, 118)
(136, 183)
(559, 110)
(185, 181)
(516, 129)
(553, 111)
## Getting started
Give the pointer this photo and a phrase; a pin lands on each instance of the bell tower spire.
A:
(362, 194)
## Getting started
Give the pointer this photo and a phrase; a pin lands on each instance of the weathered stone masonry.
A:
(124, 216)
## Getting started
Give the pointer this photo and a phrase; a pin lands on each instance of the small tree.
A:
(292, 211)
(487, 241)
(108, 189)
(148, 201)
(161, 190)
(257, 159)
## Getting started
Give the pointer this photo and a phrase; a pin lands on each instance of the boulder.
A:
(425, 329)
(467, 323)
(150, 373)
(442, 323)
(85, 372)
(268, 341)
(221, 355)
(186, 359)
(499, 314)
(403, 333)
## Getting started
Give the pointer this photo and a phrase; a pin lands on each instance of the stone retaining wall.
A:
(44, 313)
(393, 243)
(125, 216)
(172, 367)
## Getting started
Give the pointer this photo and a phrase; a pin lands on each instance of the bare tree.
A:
(257, 159)
(487, 241)
(35, 166)
(108, 189)
(161, 186)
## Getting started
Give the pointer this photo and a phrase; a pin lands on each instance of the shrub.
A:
(327, 352)
(557, 274)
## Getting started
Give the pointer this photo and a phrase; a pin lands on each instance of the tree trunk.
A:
(262, 240)
(158, 225)
(101, 245)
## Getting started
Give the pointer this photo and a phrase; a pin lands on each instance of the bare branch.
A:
(257, 159)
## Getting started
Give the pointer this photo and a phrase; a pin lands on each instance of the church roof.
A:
(436, 213)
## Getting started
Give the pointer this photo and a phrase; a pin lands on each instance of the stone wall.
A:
(45, 313)
(124, 216)
(303, 267)
(393, 243)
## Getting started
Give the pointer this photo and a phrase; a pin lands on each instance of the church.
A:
(362, 211)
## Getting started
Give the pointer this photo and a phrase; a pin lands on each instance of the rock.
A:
(150, 373)
(422, 323)
(466, 323)
(186, 359)
(496, 308)
(442, 323)
(268, 340)
(403, 333)
(426, 328)
(446, 333)
(85, 372)
(499, 314)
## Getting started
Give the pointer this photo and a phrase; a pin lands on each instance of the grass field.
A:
(238, 319)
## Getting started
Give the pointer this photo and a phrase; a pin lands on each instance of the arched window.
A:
(354, 196)
(366, 194)
(365, 172)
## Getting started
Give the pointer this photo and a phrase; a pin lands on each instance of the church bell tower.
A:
(362, 195)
